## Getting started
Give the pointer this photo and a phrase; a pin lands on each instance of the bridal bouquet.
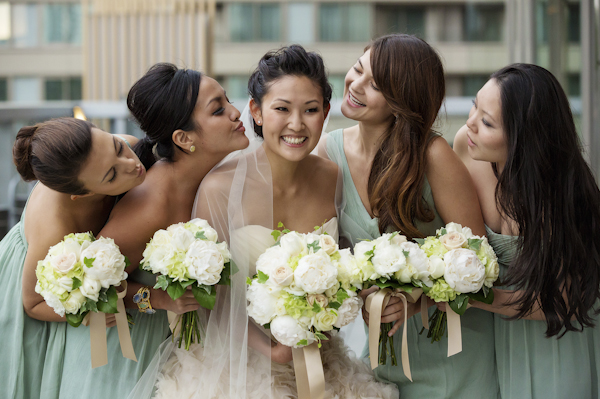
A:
(463, 266)
(188, 255)
(297, 291)
(80, 274)
(391, 261)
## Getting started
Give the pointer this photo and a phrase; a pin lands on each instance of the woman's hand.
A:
(183, 304)
(280, 353)
(393, 312)
(111, 319)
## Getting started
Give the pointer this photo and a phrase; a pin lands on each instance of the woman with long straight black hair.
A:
(541, 206)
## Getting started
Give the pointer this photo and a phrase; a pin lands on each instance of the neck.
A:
(370, 136)
(189, 170)
(283, 172)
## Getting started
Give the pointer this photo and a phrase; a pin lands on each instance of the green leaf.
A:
(127, 262)
(334, 305)
(482, 297)
(280, 225)
(317, 228)
(185, 284)
(204, 298)
(175, 290)
(161, 282)
(75, 319)
(419, 241)
(316, 307)
(370, 254)
(267, 326)
(443, 231)
(321, 336)
(406, 253)
(262, 277)
(109, 306)
(302, 342)
(474, 243)
(88, 262)
(248, 280)
(200, 236)
(226, 274)
(459, 305)
(91, 305)
(342, 295)
(315, 246)
(76, 283)
(276, 234)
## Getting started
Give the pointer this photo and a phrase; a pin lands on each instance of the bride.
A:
(244, 199)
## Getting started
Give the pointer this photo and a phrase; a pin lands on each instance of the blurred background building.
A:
(55, 54)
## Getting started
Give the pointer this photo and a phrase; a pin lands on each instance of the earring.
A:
(193, 148)
(259, 122)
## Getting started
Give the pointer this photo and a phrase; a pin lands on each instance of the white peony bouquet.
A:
(188, 255)
(303, 288)
(80, 274)
(462, 266)
(391, 261)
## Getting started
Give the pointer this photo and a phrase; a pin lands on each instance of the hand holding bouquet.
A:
(188, 255)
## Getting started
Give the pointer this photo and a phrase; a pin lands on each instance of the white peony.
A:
(289, 331)
(436, 266)
(224, 250)
(294, 289)
(74, 302)
(293, 243)
(464, 271)
(53, 301)
(159, 258)
(315, 273)
(328, 244)
(348, 311)
(388, 259)
(262, 304)
(90, 288)
(64, 283)
(63, 263)
(398, 239)
(271, 259)
(282, 275)
(206, 228)
(325, 319)
(418, 261)
(349, 272)
(204, 262)
(108, 266)
(181, 238)
(453, 240)
(455, 227)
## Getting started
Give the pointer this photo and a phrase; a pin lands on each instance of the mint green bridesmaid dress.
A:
(31, 351)
(469, 374)
(531, 366)
(119, 376)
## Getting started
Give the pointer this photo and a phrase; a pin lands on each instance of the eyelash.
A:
(482, 119)
(219, 111)
(118, 154)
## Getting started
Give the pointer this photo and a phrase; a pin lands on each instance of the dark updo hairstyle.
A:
(548, 189)
(53, 152)
(410, 76)
(293, 60)
(163, 101)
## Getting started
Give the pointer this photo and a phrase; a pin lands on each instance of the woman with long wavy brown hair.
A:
(400, 175)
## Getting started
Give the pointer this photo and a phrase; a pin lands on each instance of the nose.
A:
(295, 122)
(130, 164)
(471, 121)
(235, 115)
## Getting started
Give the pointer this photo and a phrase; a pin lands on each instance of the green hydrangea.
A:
(297, 306)
(433, 246)
(441, 291)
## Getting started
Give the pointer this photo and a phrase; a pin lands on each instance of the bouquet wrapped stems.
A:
(189, 332)
(386, 345)
(437, 326)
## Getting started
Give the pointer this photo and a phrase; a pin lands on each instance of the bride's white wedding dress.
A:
(345, 375)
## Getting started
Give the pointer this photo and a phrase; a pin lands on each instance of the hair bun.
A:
(22, 151)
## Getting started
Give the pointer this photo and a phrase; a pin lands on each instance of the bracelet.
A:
(142, 299)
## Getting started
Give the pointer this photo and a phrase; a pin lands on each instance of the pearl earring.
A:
(259, 122)
(193, 148)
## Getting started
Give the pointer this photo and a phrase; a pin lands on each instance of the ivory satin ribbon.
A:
(310, 378)
(97, 324)
(376, 302)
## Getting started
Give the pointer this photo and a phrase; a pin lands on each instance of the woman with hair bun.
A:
(190, 126)
(541, 206)
(400, 175)
(80, 170)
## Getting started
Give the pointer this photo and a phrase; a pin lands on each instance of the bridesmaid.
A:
(72, 160)
(541, 206)
(401, 175)
(190, 126)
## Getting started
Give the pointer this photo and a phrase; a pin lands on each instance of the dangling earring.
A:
(193, 148)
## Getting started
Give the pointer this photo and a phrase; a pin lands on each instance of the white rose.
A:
(315, 273)
(74, 302)
(222, 247)
(361, 248)
(206, 228)
(436, 267)
(282, 275)
(492, 270)
(90, 288)
(294, 289)
(417, 258)
(64, 262)
(464, 271)
(108, 266)
(293, 243)
(204, 262)
(159, 259)
(453, 240)
(388, 259)
(398, 239)
(318, 298)
(406, 274)
(271, 259)
(181, 238)
(331, 291)
(450, 227)
(65, 283)
(160, 238)
(289, 332)
(325, 319)
(348, 311)
(262, 304)
(328, 244)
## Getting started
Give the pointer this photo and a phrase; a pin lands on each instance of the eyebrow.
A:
(485, 112)
(115, 145)
(361, 65)
(287, 102)
(217, 98)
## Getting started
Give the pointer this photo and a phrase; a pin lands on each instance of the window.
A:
(57, 89)
(237, 88)
(251, 22)
(337, 83)
(400, 19)
(472, 84)
(484, 22)
(573, 88)
(301, 23)
(574, 23)
(25, 25)
(3, 89)
(62, 23)
(25, 89)
(344, 22)
(4, 22)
